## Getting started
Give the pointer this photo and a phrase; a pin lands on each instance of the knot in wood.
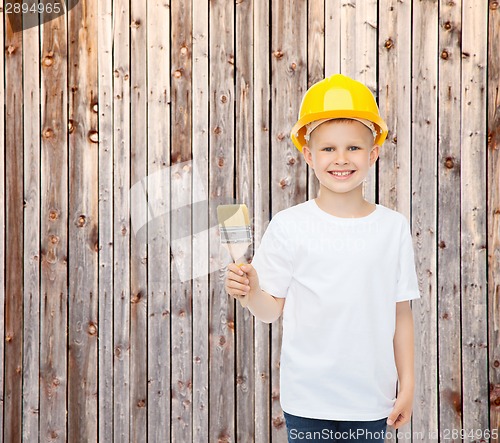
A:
(141, 403)
(222, 340)
(8, 338)
(291, 161)
(48, 60)
(178, 73)
(217, 130)
(184, 50)
(293, 66)
(135, 23)
(278, 422)
(54, 239)
(81, 221)
(53, 215)
(445, 54)
(92, 328)
(221, 162)
(447, 26)
(388, 43)
(230, 60)
(94, 136)
(493, 5)
(71, 126)
(95, 107)
(449, 163)
(278, 53)
(48, 133)
(223, 99)
(240, 380)
(280, 136)
(283, 183)
(496, 363)
(11, 49)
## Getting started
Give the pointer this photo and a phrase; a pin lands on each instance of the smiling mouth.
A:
(341, 174)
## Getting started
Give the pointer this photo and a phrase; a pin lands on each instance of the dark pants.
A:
(310, 430)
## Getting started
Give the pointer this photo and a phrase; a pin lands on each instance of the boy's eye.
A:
(351, 148)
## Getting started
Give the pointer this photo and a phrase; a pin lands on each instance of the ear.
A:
(374, 154)
(306, 152)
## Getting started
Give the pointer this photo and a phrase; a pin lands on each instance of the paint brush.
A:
(235, 234)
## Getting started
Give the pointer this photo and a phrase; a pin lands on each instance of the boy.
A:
(345, 268)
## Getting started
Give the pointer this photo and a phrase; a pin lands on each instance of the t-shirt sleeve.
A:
(273, 260)
(407, 282)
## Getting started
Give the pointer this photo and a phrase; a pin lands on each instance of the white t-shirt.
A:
(341, 278)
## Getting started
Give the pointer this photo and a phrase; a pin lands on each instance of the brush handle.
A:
(243, 299)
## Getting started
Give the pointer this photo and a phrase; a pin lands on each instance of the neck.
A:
(348, 204)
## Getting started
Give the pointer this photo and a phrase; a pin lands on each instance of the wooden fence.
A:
(192, 102)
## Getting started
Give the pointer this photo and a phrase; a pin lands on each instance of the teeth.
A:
(341, 173)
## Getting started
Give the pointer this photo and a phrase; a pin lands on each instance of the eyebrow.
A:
(329, 144)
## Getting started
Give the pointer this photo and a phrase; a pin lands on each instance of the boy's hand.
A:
(401, 413)
(241, 281)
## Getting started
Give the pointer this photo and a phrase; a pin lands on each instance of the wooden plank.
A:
(473, 217)
(159, 411)
(245, 381)
(493, 196)
(333, 37)
(200, 139)
(106, 139)
(315, 65)
(449, 357)
(54, 235)
(138, 256)
(423, 216)
(245, 360)
(31, 333)
(359, 55)
(3, 237)
(261, 110)
(181, 228)
(121, 220)
(394, 47)
(222, 345)
(13, 219)
(288, 168)
(395, 104)
(83, 241)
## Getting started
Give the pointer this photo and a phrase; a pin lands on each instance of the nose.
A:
(341, 158)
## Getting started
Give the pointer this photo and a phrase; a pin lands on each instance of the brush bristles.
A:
(233, 215)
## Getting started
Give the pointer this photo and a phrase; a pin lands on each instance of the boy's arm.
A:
(403, 354)
(403, 347)
(265, 306)
(244, 281)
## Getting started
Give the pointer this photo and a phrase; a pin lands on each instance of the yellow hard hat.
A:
(337, 96)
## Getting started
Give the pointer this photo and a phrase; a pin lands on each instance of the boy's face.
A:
(341, 146)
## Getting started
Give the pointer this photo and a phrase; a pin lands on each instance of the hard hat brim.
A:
(299, 129)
